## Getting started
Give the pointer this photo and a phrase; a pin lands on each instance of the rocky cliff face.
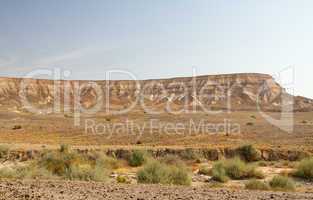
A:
(230, 91)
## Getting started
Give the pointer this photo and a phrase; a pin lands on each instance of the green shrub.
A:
(256, 185)
(282, 183)
(178, 175)
(305, 169)
(249, 153)
(82, 172)
(86, 172)
(219, 173)
(234, 169)
(237, 169)
(155, 172)
(100, 172)
(137, 158)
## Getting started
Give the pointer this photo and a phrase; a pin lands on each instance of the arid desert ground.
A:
(235, 153)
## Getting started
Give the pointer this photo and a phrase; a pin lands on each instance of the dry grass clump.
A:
(178, 175)
(107, 161)
(29, 171)
(59, 163)
(71, 165)
(305, 169)
(219, 173)
(7, 173)
(155, 172)
(277, 183)
(256, 185)
(234, 169)
(282, 183)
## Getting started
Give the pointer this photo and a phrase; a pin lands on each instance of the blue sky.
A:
(160, 38)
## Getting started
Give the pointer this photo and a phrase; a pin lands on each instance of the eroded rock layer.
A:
(230, 91)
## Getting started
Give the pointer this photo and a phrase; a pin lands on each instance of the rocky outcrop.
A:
(230, 91)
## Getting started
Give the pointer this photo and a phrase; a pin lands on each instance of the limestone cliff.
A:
(246, 91)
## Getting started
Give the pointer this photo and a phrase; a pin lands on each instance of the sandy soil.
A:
(38, 130)
(91, 191)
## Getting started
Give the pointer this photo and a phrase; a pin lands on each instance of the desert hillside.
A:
(229, 91)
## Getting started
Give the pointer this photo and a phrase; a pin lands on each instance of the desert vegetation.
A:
(155, 172)
(277, 183)
(63, 164)
(256, 185)
(137, 158)
(236, 169)
(139, 166)
(305, 169)
(249, 153)
(205, 170)
(282, 183)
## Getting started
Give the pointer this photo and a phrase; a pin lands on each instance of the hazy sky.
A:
(159, 38)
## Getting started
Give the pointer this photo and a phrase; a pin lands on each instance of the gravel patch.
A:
(65, 190)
